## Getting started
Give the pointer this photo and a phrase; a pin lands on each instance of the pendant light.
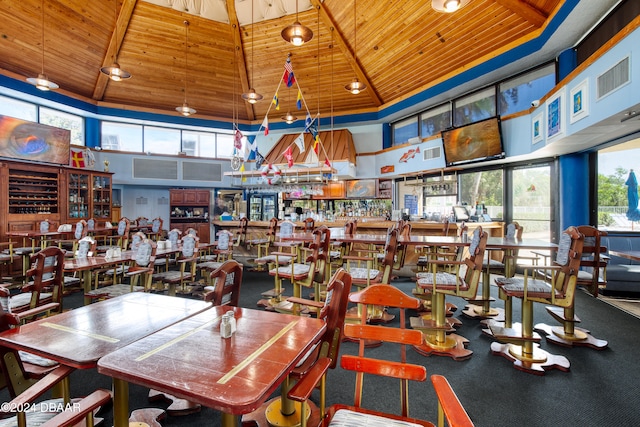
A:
(114, 71)
(42, 82)
(252, 96)
(448, 6)
(184, 109)
(289, 118)
(356, 86)
(297, 34)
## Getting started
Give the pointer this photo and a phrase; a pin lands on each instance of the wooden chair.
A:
(45, 288)
(139, 275)
(80, 231)
(222, 252)
(363, 365)
(241, 232)
(325, 352)
(142, 222)
(121, 239)
(186, 261)
(173, 239)
(6, 256)
(309, 224)
(439, 284)
(85, 247)
(155, 232)
(27, 377)
(521, 346)
(263, 244)
(225, 284)
(308, 274)
(480, 305)
(592, 274)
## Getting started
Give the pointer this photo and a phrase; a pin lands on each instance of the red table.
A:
(192, 361)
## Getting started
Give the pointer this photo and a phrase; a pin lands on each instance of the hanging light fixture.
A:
(114, 71)
(356, 86)
(42, 82)
(184, 109)
(448, 6)
(252, 96)
(289, 118)
(297, 34)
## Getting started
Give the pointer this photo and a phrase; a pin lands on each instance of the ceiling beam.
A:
(524, 10)
(344, 48)
(120, 29)
(240, 63)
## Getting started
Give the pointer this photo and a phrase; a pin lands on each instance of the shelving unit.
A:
(385, 188)
(78, 196)
(33, 192)
(102, 198)
(190, 209)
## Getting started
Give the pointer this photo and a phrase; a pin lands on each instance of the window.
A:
(517, 93)
(434, 121)
(531, 200)
(121, 136)
(18, 109)
(475, 107)
(485, 188)
(614, 166)
(225, 145)
(71, 122)
(404, 130)
(161, 140)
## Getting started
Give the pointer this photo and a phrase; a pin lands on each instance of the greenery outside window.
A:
(614, 166)
(485, 188)
(71, 122)
(404, 130)
(435, 120)
(475, 107)
(516, 94)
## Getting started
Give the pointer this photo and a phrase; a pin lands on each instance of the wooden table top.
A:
(506, 243)
(632, 255)
(79, 337)
(235, 375)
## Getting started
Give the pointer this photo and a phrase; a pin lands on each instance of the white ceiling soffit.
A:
(216, 10)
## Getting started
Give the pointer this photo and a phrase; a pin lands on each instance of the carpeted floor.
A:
(601, 389)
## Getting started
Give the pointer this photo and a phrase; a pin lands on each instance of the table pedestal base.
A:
(536, 363)
(454, 346)
(269, 415)
(148, 417)
(580, 337)
(478, 312)
(178, 406)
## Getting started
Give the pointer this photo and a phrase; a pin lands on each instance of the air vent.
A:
(614, 78)
(195, 171)
(155, 169)
(431, 153)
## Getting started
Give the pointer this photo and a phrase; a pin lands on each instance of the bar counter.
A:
(258, 229)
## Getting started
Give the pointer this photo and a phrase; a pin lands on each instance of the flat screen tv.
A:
(24, 140)
(473, 143)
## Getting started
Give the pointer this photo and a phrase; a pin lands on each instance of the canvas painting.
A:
(579, 98)
(537, 128)
(555, 111)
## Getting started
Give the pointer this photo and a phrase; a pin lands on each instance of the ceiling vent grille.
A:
(614, 78)
(155, 169)
(431, 153)
(196, 171)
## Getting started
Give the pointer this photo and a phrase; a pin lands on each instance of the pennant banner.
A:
(299, 141)
(288, 78)
(265, 125)
(299, 100)
(288, 154)
(259, 160)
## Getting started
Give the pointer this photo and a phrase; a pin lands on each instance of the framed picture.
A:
(537, 128)
(579, 101)
(361, 188)
(555, 118)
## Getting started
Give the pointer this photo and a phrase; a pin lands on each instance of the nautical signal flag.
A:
(77, 159)
(276, 101)
(299, 100)
(300, 142)
(316, 142)
(288, 154)
(288, 78)
(265, 125)
(237, 140)
(307, 122)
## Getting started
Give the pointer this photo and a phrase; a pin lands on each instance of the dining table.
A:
(192, 359)
(79, 338)
(632, 255)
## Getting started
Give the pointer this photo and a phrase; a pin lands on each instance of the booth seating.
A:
(439, 284)
(365, 365)
(522, 346)
(622, 275)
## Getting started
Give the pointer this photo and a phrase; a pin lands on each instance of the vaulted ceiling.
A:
(403, 47)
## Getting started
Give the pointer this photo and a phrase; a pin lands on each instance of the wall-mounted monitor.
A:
(361, 189)
(473, 143)
(24, 140)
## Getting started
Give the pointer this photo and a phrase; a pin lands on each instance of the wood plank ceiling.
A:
(403, 47)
